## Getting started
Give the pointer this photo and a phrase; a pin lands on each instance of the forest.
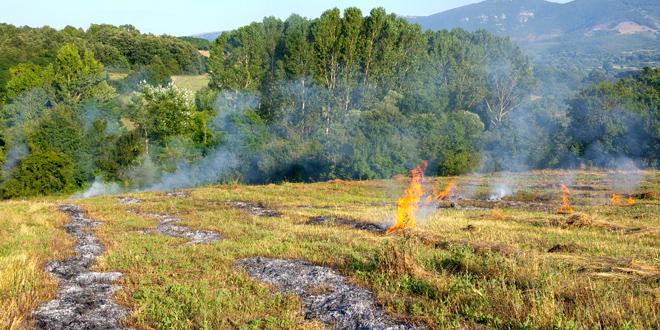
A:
(345, 95)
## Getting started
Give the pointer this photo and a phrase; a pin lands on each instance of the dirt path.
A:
(326, 295)
(85, 298)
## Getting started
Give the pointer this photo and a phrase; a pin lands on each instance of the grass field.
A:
(512, 264)
(193, 83)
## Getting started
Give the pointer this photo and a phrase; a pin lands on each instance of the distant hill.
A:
(210, 36)
(595, 31)
(533, 20)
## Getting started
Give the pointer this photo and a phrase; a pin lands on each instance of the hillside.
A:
(591, 31)
(534, 20)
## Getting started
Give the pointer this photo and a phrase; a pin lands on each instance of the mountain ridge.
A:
(533, 20)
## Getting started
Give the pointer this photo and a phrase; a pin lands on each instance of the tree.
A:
(620, 118)
(60, 131)
(41, 173)
(237, 59)
(78, 78)
(161, 112)
(509, 78)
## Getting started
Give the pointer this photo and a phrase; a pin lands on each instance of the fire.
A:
(408, 204)
(616, 200)
(565, 207)
(445, 192)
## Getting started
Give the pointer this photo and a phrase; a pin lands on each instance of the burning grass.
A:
(458, 268)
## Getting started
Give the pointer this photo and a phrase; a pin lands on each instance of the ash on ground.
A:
(129, 201)
(256, 209)
(167, 226)
(357, 224)
(177, 194)
(84, 299)
(326, 295)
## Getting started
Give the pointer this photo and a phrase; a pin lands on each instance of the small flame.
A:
(448, 189)
(616, 200)
(408, 204)
(565, 207)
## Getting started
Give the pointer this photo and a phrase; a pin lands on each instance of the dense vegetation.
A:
(340, 96)
(119, 49)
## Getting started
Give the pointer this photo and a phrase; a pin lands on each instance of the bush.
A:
(41, 173)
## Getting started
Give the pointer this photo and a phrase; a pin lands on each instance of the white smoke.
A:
(99, 188)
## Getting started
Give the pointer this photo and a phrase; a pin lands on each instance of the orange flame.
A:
(445, 192)
(408, 204)
(616, 200)
(565, 207)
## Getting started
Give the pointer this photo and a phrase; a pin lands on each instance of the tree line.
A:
(341, 96)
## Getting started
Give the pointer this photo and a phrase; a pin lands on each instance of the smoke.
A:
(501, 188)
(217, 165)
(92, 113)
(209, 169)
(15, 154)
(99, 187)
(627, 176)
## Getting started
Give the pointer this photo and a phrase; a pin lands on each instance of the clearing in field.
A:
(191, 82)
(298, 255)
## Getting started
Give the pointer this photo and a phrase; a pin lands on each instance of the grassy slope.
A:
(31, 233)
(611, 279)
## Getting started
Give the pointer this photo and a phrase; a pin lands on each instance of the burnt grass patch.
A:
(564, 248)
(177, 194)
(257, 209)
(167, 226)
(84, 299)
(326, 295)
(129, 201)
(353, 223)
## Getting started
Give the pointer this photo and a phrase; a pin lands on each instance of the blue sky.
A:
(185, 17)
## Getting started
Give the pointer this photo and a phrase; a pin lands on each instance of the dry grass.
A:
(461, 268)
(193, 83)
(31, 234)
(117, 75)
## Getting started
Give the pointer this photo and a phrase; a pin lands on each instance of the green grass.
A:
(498, 275)
(193, 83)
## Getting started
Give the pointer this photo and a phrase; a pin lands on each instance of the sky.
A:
(187, 17)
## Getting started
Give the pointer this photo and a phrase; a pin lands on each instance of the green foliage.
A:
(345, 95)
(199, 43)
(120, 153)
(60, 132)
(457, 150)
(119, 48)
(41, 173)
(79, 77)
(161, 112)
(618, 119)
